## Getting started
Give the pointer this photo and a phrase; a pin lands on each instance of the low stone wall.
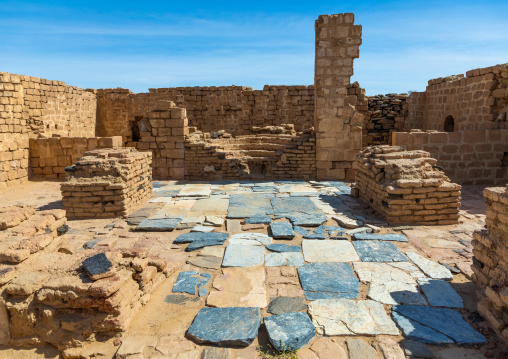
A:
(260, 156)
(490, 262)
(468, 157)
(107, 183)
(50, 156)
(406, 186)
(163, 133)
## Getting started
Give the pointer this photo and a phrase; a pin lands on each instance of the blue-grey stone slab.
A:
(200, 236)
(328, 281)
(354, 232)
(378, 251)
(275, 260)
(203, 281)
(440, 293)
(206, 275)
(289, 331)
(294, 259)
(233, 326)
(158, 225)
(381, 237)
(284, 206)
(344, 189)
(300, 230)
(280, 305)
(193, 246)
(267, 189)
(339, 238)
(415, 331)
(180, 299)
(315, 236)
(259, 219)
(306, 219)
(447, 322)
(282, 247)
(320, 230)
(282, 230)
(239, 255)
(186, 283)
(97, 264)
(304, 194)
(335, 202)
(414, 349)
(333, 229)
(249, 205)
(202, 292)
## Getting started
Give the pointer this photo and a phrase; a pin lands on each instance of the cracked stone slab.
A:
(430, 268)
(440, 293)
(249, 205)
(381, 237)
(226, 326)
(347, 317)
(199, 236)
(239, 255)
(378, 251)
(255, 239)
(435, 325)
(389, 285)
(289, 330)
(259, 219)
(328, 280)
(282, 247)
(284, 259)
(329, 251)
(186, 282)
(158, 225)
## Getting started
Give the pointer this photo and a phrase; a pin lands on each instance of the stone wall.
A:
(107, 183)
(477, 101)
(30, 107)
(232, 108)
(262, 156)
(337, 123)
(490, 261)
(406, 186)
(49, 156)
(468, 157)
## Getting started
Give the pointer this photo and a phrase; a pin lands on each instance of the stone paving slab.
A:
(329, 251)
(435, 325)
(193, 246)
(195, 191)
(328, 281)
(289, 331)
(252, 238)
(430, 268)
(226, 326)
(282, 230)
(279, 305)
(440, 293)
(238, 255)
(378, 251)
(282, 247)
(199, 236)
(158, 225)
(347, 317)
(381, 237)
(247, 206)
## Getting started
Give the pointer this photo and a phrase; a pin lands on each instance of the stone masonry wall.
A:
(490, 261)
(468, 157)
(337, 123)
(406, 186)
(107, 183)
(477, 101)
(31, 106)
(232, 108)
(49, 156)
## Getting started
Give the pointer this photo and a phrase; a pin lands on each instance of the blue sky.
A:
(144, 44)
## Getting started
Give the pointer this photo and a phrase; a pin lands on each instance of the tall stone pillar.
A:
(337, 124)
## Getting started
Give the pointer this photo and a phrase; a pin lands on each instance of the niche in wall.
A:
(449, 124)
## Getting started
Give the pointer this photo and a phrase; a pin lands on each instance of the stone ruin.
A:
(490, 264)
(108, 142)
(406, 186)
(107, 183)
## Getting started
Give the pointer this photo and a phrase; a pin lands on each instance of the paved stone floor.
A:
(306, 260)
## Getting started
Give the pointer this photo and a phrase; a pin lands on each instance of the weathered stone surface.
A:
(233, 225)
(130, 347)
(307, 219)
(414, 349)
(275, 259)
(208, 262)
(186, 282)
(226, 326)
(377, 251)
(195, 191)
(198, 236)
(360, 230)
(431, 269)
(324, 348)
(179, 299)
(251, 239)
(203, 229)
(329, 251)
(5, 334)
(315, 236)
(158, 225)
(389, 285)
(358, 349)
(347, 222)
(381, 237)
(193, 246)
(300, 230)
(98, 266)
(249, 205)
(328, 280)
(282, 230)
(237, 255)
(347, 317)
(239, 287)
(294, 259)
(216, 353)
(259, 219)
(171, 345)
(440, 293)
(280, 305)
(216, 221)
(289, 330)
(390, 348)
(26, 283)
(282, 247)
(212, 251)
(435, 325)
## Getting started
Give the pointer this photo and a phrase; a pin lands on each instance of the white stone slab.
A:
(329, 251)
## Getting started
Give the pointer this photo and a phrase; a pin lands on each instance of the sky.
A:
(149, 44)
